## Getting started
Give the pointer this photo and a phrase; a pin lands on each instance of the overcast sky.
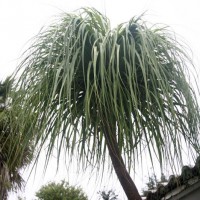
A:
(22, 19)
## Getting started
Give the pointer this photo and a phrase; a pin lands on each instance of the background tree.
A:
(60, 191)
(107, 195)
(93, 90)
(153, 182)
(10, 148)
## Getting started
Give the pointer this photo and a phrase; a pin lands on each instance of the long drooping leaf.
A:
(79, 74)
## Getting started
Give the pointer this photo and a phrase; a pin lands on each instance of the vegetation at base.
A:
(60, 191)
(107, 195)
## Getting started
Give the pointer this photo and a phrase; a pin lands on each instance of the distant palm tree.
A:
(94, 89)
(107, 195)
(10, 148)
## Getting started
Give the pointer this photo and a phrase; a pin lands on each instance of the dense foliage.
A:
(13, 155)
(93, 89)
(60, 191)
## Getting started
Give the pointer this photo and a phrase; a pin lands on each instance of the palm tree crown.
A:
(13, 155)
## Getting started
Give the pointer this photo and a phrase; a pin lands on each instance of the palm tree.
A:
(107, 195)
(95, 90)
(10, 148)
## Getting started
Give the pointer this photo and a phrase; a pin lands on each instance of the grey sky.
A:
(21, 20)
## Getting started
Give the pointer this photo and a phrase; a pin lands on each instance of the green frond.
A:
(80, 75)
(13, 154)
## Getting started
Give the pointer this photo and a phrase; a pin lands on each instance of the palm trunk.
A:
(119, 166)
(4, 180)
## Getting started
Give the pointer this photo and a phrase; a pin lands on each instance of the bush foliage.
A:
(60, 191)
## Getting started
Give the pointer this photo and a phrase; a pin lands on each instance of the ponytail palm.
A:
(96, 89)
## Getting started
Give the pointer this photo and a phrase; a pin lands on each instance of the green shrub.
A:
(60, 191)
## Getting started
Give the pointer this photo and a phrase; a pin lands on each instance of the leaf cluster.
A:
(13, 155)
(107, 195)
